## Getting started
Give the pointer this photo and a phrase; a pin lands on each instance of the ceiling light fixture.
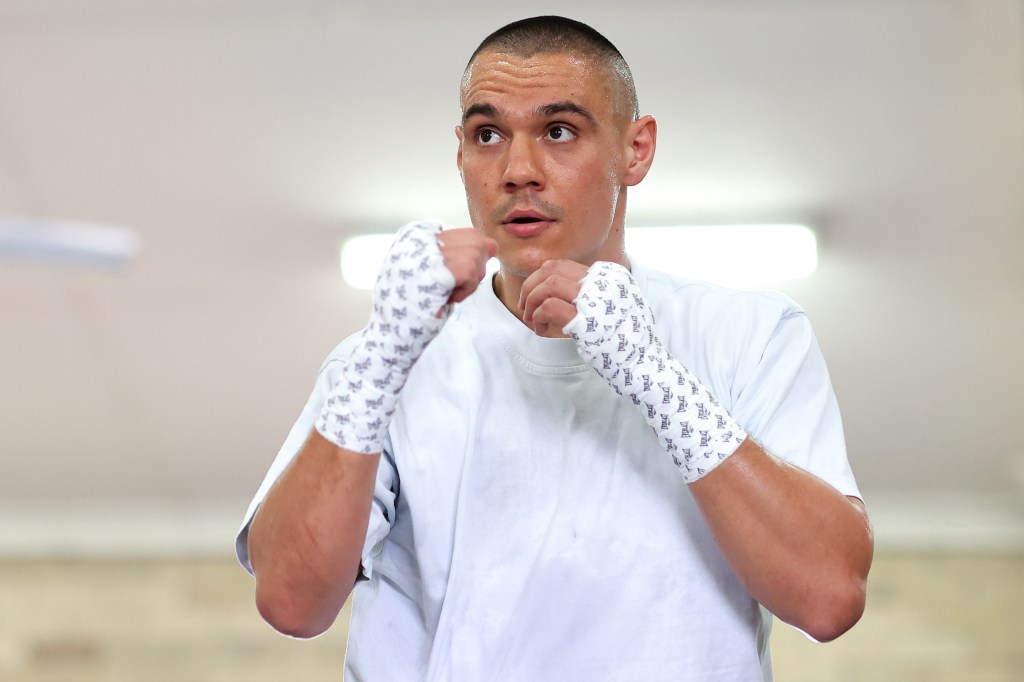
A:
(731, 255)
(66, 242)
(361, 258)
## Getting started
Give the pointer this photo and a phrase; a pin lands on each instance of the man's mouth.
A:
(526, 223)
(525, 218)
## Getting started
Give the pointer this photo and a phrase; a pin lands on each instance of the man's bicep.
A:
(785, 400)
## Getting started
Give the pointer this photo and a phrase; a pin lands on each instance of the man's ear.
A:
(641, 140)
(458, 158)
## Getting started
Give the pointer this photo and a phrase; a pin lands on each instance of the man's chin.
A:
(522, 265)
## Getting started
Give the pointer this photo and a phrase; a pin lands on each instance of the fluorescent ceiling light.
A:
(66, 242)
(363, 255)
(731, 255)
(361, 258)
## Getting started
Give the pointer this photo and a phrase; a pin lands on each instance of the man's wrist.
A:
(356, 413)
(412, 286)
(614, 332)
(695, 429)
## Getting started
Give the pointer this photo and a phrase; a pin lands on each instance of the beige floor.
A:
(934, 618)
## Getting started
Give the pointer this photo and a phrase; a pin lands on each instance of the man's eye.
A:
(560, 134)
(488, 137)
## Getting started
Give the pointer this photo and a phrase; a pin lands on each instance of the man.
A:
(580, 469)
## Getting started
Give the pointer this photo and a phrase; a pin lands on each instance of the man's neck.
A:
(507, 288)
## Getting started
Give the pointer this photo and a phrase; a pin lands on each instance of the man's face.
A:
(541, 151)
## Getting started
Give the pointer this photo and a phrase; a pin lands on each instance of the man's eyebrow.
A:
(545, 111)
(565, 107)
(486, 110)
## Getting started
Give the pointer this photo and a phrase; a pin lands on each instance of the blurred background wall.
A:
(243, 140)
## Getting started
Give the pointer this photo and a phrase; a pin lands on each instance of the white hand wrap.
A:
(412, 286)
(614, 332)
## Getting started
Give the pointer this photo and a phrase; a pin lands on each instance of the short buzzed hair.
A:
(551, 34)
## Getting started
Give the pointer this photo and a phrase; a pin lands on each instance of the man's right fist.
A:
(466, 252)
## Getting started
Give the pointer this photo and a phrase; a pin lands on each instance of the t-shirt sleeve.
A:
(382, 512)
(784, 399)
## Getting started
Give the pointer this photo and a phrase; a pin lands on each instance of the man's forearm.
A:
(801, 548)
(306, 539)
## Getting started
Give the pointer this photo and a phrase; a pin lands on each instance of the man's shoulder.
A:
(343, 351)
(678, 295)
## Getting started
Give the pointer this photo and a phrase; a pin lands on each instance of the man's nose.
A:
(523, 165)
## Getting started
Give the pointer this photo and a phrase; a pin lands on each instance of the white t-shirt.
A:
(527, 525)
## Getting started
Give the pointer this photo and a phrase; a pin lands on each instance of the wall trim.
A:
(911, 522)
(134, 528)
(947, 522)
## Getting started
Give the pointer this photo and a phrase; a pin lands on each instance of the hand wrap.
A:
(614, 333)
(412, 287)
